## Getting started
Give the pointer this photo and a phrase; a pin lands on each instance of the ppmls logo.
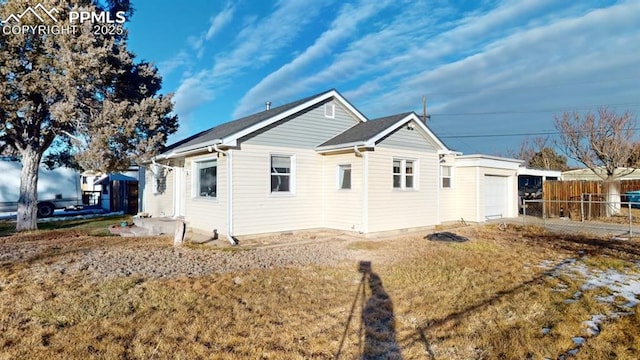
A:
(101, 22)
(37, 11)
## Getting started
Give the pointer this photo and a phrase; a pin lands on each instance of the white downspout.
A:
(478, 195)
(364, 228)
(229, 154)
(438, 193)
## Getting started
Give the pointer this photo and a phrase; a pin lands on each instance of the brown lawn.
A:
(492, 297)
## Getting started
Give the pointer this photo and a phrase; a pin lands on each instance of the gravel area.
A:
(152, 257)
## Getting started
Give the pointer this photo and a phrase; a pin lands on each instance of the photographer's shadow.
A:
(379, 323)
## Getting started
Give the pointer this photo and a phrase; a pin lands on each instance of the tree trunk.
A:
(27, 216)
(612, 196)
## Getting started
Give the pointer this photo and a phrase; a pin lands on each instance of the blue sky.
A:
(492, 71)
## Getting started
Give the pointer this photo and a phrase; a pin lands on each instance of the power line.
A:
(546, 132)
(529, 87)
(514, 112)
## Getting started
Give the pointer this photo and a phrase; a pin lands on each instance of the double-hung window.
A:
(281, 173)
(206, 178)
(404, 172)
(446, 176)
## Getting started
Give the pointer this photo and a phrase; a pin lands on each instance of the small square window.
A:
(280, 173)
(344, 177)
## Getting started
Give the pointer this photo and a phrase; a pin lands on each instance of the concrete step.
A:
(156, 226)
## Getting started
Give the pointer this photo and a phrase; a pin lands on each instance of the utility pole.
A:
(424, 110)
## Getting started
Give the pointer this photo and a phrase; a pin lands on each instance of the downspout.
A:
(478, 195)
(438, 193)
(364, 227)
(230, 237)
(229, 155)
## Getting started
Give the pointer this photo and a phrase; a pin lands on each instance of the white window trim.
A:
(195, 178)
(292, 176)
(403, 174)
(330, 110)
(338, 184)
(450, 176)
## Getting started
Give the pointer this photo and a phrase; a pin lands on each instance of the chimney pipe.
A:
(268, 105)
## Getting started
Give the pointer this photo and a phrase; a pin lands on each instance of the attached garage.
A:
(496, 196)
(486, 188)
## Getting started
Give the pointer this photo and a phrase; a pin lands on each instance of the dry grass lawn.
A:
(487, 298)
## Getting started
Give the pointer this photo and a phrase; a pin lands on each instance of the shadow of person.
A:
(379, 324)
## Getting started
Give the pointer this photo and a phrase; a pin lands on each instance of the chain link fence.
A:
(590, 214)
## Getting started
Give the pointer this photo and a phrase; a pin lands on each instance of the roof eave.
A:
(340, 147)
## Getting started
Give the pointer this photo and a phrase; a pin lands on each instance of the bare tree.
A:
(603, 143)
(538, 153)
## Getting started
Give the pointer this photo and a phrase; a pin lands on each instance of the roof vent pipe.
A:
(268, 105)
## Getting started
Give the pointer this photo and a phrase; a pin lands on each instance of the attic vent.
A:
(267, 105)
(330, 110)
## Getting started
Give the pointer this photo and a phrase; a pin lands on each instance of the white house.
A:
(588, 174)
(320, 163)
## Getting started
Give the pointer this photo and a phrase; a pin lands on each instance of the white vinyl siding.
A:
(463, 203)
(342, 209)
(390, 209)
(159, 201)
(206, 213)
(257, 210)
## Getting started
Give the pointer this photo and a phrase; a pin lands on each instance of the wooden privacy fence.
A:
(566, 198)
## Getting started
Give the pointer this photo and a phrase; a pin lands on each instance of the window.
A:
(207, 178)
(408, 165)
(330, 110)
(446, 176)
(281, 173)
(397, 174)
(404, 174)
(344, 177)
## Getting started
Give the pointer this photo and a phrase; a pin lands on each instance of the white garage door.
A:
(496, 195)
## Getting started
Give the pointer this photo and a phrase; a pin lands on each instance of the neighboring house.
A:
(320, 163)
(588, 174)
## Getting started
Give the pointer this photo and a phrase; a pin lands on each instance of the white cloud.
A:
(220, 21)
(179, 60)
(343, 26)
(192, 92)
(260, 42)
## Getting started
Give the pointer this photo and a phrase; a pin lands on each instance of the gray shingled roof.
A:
(231, 127)
(364, 131)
